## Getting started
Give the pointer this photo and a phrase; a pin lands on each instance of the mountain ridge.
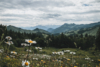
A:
(17, 29)
(65, 28)
(70, 27)
(45, 27)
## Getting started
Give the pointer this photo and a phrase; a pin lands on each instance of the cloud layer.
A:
(22, 13)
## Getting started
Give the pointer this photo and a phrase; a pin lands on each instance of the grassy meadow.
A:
(54, 60)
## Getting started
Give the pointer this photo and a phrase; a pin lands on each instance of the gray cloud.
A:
(5, 4)
(47, 16)
(81, 18)
(93, 11)
(43, 10)
(44, 3)
(22, 4)
(8, 19)
(16, 15)
(97, 0)
(86, 12)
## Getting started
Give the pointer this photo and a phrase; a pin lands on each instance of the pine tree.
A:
(98, 39)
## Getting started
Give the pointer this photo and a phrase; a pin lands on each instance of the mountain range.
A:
(71, 27)
(16, 29)
(46, 27)
(90, 31)
(67, 29)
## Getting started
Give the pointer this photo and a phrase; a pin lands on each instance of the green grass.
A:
(79, 57)
(49, 50)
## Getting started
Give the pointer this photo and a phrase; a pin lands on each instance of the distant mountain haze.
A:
(50, 29)
(16, 29)
(71, 27)
(46, 27)
(67, 29)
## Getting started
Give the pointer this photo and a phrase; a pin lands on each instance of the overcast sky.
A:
(28, 13)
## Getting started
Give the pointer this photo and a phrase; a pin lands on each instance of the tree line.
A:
(57, 41)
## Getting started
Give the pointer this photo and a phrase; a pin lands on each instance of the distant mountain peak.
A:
(50, 29)
(69, 24)
(36, 29)
(11, 26)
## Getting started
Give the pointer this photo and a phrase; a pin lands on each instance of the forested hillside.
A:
(57, 41)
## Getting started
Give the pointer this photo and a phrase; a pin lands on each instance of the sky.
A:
(29, 13)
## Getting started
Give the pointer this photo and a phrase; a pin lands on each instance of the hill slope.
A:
(16, 29)
(72, 27)
(90, 31)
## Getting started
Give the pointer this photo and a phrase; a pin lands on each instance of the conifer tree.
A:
(98, 39)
